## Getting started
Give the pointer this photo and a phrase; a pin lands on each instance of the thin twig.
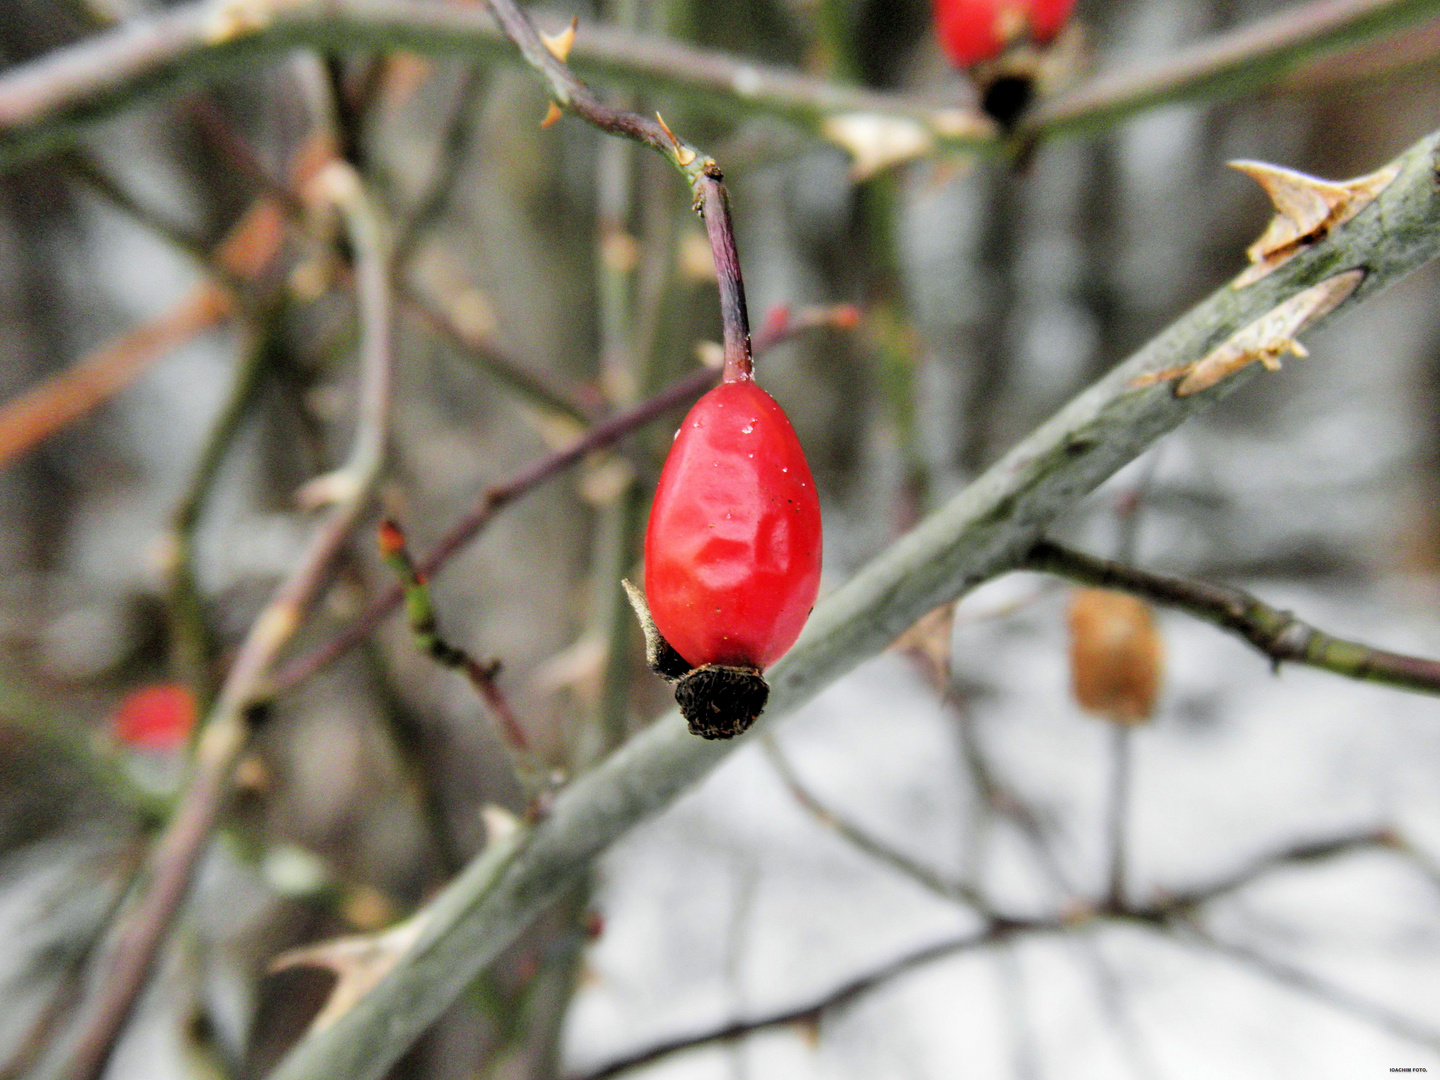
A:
(191, 645)
(140, 932)
(1171, 906)
(626, 375)
(425, 626)
(37, 413)
(1177, 914)
(861, 839)
(449, 159)
(1118, 813)
(811, 1012)
(698, 168)
(541, 388)
(1319, 989)
(1278, 634)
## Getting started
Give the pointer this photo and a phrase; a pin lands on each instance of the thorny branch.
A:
(50, 102)
(1227, 65)
(1278, 634)
(138, 935)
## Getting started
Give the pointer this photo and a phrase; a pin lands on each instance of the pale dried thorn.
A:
(500, 824)
(329, 489)
(1306, 210)
(683, 154)
(359, 963)
(559, 44)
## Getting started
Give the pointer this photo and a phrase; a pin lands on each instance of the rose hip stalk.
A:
(732, 550)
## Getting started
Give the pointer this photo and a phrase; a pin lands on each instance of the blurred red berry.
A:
(972, 31)
(156, 717)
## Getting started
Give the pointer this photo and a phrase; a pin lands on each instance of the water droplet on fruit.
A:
(747, 429)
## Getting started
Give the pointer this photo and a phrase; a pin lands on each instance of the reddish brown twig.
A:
(425, 625)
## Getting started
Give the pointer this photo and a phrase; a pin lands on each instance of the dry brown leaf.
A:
(1264, 341)
(877, 142)
(1306, 210)
(928, 641)
(1117, 656)
(37, 413)
(359, 963)
(254, 241)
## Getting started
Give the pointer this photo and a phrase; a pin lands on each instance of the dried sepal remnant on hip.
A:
(718, 701)
(1263, 341)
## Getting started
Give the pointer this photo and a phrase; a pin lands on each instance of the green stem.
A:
(192, 645)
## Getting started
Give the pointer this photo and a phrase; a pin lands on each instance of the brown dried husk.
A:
(1117, 657)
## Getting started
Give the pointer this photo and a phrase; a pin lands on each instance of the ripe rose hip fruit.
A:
(732, 554)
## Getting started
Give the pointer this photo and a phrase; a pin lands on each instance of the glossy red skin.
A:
(971, 30)
(732, 551)
(156, 718)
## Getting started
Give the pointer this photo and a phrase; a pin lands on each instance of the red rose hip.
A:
(972, 31)
(732, 551)
(1000, 42)
(157, 718)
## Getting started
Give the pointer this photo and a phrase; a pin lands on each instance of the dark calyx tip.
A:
(1007, 97)
(665, 661)
(720, 702)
